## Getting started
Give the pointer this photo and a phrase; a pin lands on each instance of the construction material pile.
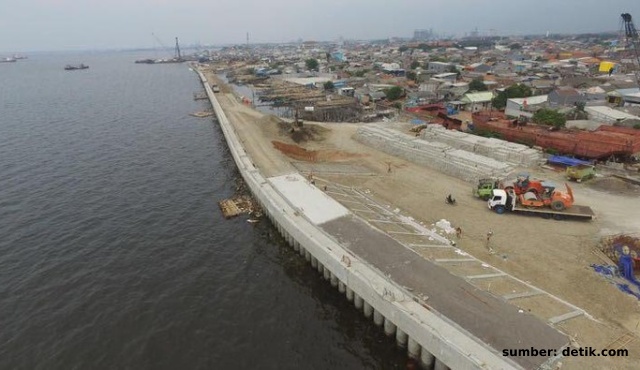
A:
(462, 164)
(494, 148)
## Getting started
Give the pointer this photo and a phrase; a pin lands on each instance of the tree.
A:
(549, 117)
(328, 85)
(454, 69)
(515, 46)
(514, 91)
(411, 75)
(415, 64)
(403, 48)
(394, 93)
(477, 85)
(312, 64)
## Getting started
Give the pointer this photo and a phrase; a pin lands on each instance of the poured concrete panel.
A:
(310, 201)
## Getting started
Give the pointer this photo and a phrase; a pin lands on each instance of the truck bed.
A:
(574, 211)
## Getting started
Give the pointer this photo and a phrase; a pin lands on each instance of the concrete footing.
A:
(378, 319)
(358, 302)
(341, 287)
(349, 294)
(327, 274)
(439, 365)
(389, 327)
(368, 310)
(401, 338)
(314, 262)
(413, 349)
(427, 360)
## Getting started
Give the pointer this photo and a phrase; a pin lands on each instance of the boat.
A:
(145, 61)
(603, 143)
(16, 57)
(69, 67)
(7, 60)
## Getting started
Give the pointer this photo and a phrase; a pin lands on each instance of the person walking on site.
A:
(489, 235)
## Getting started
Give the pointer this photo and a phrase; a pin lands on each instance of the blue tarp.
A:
(624, 270)
(567, 161)
(417, 121)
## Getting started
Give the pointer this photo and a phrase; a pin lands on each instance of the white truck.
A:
(502, 201)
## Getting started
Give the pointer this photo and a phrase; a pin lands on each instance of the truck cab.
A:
(500, 201)
(484, 188)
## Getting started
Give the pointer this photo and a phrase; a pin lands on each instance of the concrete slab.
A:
(310, 201)
(486, 317)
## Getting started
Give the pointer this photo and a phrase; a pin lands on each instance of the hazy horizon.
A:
(66, 25)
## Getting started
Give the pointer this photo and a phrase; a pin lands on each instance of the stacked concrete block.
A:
(462, 164)
(495, 148)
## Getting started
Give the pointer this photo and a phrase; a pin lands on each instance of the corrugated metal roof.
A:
(478, 97)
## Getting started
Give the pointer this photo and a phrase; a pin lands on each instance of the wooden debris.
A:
(236, 206)
(200, 96)
(229, 208)
(201, 114)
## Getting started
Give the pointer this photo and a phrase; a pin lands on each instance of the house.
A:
(448, 77)
(346, 91)
(565, 97)
(608, 115)
(526, 107)
(375, 96)
(477, 101)
(541, 86)
(439, 67)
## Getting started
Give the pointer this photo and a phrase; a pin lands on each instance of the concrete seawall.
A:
(428, 336)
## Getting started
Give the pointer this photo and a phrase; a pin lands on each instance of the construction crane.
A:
(176, 52)
(631, 36)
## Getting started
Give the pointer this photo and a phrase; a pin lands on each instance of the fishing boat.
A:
(7, 60)
(69, 67)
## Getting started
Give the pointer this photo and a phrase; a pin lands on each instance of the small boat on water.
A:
(69, 67)
(145, 61)
(7, 60)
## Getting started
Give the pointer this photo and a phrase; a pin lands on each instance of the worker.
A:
(450, 199)
(489, 235)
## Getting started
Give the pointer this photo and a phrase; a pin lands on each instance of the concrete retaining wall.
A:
(439, 156)
(429, 337)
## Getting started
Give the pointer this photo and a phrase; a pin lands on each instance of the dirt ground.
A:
(554, 256)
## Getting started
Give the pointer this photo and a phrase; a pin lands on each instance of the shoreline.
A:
(242, 125)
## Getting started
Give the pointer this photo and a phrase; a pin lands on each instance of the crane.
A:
(177, 56)
(631, 36)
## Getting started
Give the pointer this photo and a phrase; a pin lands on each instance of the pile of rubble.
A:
(501, 150)
(459, 163)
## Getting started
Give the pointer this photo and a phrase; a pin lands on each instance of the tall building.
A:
(423, 34)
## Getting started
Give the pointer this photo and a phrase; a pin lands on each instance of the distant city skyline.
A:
(58, 25)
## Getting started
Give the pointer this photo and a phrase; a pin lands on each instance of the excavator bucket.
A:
(569, 191)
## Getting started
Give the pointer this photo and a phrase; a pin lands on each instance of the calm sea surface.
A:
(113, 252)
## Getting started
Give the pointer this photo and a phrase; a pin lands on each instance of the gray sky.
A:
(31, 25)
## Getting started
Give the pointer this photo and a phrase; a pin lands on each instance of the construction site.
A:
(398, 181)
